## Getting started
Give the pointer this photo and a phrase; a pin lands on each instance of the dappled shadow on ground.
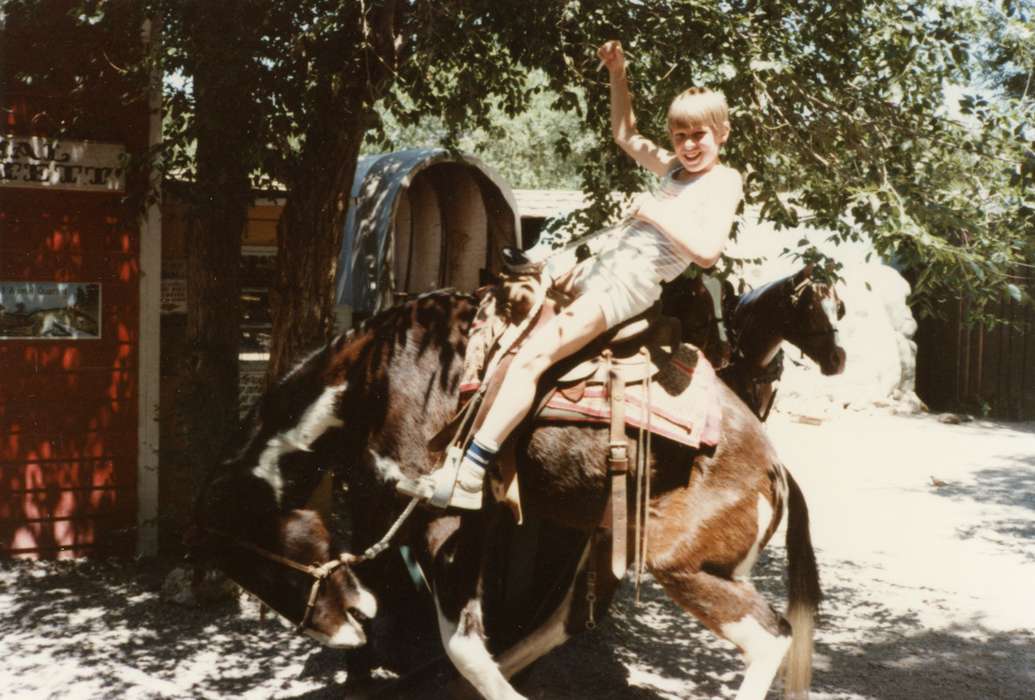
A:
(1012, 527)
(1002, 486)
(99, 629)
(866, 648)
(91, 629)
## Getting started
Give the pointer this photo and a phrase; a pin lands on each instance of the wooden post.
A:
(965, 343)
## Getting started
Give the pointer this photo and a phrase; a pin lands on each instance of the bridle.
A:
(795, 298)
(320, 573)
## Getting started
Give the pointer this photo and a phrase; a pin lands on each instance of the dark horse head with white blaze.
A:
(253, 521)
(798, 308)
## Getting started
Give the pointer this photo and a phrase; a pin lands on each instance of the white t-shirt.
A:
(712, 200)
(636, 247)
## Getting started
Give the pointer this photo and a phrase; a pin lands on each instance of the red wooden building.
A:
(78, 385)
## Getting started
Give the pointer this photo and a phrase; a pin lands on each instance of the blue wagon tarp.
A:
(421, 219)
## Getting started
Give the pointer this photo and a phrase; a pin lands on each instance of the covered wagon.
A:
(419, 220)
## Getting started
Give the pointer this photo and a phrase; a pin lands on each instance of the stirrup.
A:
(446, 487)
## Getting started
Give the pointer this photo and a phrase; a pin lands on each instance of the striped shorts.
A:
(622, 281)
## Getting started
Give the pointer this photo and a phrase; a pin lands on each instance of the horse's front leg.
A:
(459, 593)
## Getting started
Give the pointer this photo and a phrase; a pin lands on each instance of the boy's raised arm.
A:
(623, 122)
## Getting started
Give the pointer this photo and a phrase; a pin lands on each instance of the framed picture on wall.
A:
(50, 310)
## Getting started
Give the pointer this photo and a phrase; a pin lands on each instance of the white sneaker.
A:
(456, 484)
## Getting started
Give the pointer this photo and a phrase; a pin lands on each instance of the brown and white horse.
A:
(796, 308)
(369, 403)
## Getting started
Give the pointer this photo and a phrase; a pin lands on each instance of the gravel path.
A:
(924, 533)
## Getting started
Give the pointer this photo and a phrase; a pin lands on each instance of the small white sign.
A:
(174, 296)
(37, 162)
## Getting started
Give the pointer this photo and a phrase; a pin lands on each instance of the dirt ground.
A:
(925, 534)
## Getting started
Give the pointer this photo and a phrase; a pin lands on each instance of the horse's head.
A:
(254, 521)
(813, 323)
(700, 313)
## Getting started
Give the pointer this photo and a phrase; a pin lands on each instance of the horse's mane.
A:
(757, 293)
(403, 314)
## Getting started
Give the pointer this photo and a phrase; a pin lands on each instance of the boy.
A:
(686, 221)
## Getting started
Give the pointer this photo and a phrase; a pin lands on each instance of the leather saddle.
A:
(636, 349)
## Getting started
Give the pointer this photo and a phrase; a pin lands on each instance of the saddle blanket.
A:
(680, 403)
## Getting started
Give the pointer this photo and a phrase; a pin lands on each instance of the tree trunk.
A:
(309, 237)
(218, 209)
(349, 79)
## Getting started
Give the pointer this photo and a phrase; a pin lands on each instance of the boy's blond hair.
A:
(699, 106)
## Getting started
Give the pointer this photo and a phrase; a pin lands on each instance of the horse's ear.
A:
(805, 273)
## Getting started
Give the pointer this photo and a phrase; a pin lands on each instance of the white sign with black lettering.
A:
(37, 162)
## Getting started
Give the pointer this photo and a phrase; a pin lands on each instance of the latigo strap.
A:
(618, 469)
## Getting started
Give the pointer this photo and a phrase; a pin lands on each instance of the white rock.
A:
(876, 332)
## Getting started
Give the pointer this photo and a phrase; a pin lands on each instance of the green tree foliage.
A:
(1008, 57)
(541, 147)
(1005, 105)
(839, 117)
(840, 111)
(840, 114)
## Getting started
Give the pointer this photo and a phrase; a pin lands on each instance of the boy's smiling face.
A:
(697, 147)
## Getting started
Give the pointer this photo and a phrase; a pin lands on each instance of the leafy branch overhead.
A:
(909, 123)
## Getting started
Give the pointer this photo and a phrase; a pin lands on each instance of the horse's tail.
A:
(803, 595)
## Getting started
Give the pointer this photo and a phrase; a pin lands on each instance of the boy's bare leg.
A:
(561, 337)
